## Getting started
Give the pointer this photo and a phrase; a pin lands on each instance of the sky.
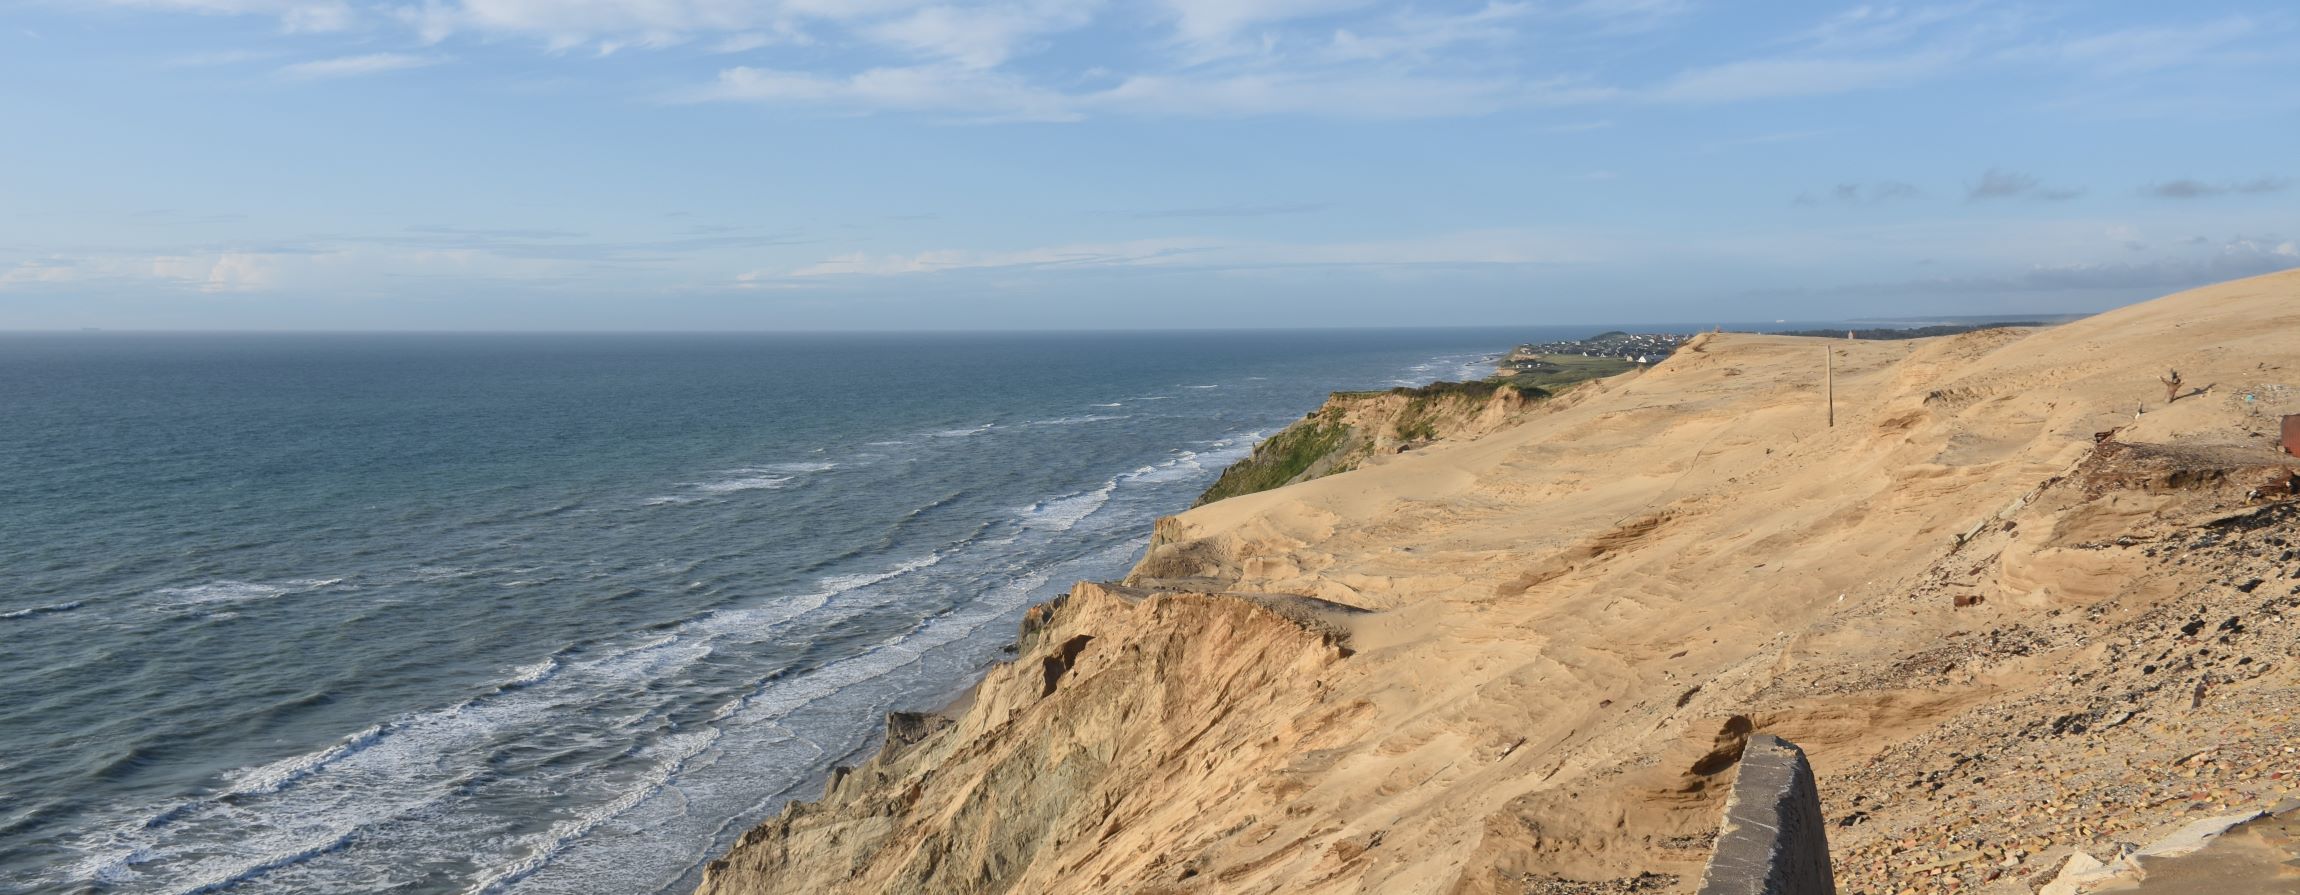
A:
(1081, 164)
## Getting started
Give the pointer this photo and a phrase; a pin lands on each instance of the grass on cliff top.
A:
(1321, 436)
(1565, 370)
(1277, 461)
(1478, 390)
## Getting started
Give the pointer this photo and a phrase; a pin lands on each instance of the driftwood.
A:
(2171, 381)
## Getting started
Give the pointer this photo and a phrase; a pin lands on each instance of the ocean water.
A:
(552, 613)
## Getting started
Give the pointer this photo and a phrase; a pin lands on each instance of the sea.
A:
(565, 613)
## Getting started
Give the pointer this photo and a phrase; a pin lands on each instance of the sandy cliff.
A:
(1353, 429)
(1525, 662)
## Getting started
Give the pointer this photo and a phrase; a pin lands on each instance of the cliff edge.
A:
(2012, 586)
(1354, 428)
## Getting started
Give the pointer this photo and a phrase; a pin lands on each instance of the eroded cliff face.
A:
(1093, 761)
(1526, 662)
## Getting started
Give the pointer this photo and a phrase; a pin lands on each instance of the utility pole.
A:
(1832, 354)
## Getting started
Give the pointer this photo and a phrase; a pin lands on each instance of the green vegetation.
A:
(1278, 460)
(1556, 371)
(1479, 390)
(1323, 443)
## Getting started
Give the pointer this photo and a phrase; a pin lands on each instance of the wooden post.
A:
(1832, 353)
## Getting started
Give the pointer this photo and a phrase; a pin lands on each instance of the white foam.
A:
(42, 610)
(1075, 420)
(392, 793)
(1112, 404)
(229, 591)
(527, 675)
(798, 467)
(839, 584)
(1064, 513)
(764, 477)
(963, 433)
(745, 483)
(676, 750)
(286, 772)
(1201, 386)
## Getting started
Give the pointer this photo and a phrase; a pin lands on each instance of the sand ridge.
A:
(1553, 638)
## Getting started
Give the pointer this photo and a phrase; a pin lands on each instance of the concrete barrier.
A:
(1773, 840)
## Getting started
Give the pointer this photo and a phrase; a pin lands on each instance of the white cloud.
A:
(353, 66)
(1760, 79)
(569, 23)
(1485, 247)
(1344, 96)
(956, 92)
(1119, 254)
(966, 94)
(982, 37)
(2137, 50)
(1023, 60)
(1413, 34)
(221, 272)
(214, 272)
(40, 271)
(294, 15)
(1214, 27)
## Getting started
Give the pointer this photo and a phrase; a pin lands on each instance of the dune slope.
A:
(1525, 662)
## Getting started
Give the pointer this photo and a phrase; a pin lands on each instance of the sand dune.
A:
(1528, 659)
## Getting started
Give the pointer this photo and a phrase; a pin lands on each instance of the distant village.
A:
(1639, 348)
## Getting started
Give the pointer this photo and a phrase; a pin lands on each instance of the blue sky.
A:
(769, 164)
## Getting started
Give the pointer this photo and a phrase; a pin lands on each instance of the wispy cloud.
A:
(1232, 211)
(295, 16)
(1998, 184)
(2138, 50)
(1020, 60)
(1472, 248)
(2197, 189)
(1764, 139)
(355, 66)
(1876, 193)
(957, 92)
(1761, 79)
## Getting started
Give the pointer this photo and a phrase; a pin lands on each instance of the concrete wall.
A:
(1774, 840)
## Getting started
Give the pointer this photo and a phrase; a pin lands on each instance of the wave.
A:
(1201, 386)
(557, 839)
(963, 433)
(42, 610)
(745, 483)
(803, 466)
(764, 477)
(283, 859)
(562, 728)
(1064, 513)
(1075, 420)
(1112, 404)
(229, 591)
(532, 674)
(839, 584)
(287, 772)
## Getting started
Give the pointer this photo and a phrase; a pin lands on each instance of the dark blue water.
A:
(433, 613)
